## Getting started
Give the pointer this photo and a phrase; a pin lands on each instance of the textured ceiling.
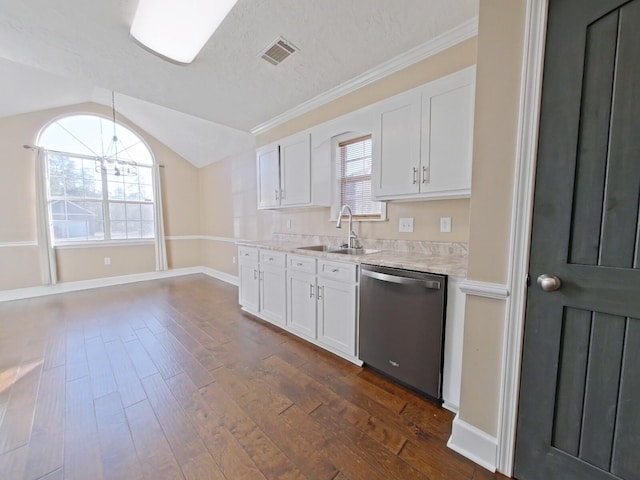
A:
(228, 85)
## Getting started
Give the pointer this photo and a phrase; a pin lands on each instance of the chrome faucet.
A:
(352, 238)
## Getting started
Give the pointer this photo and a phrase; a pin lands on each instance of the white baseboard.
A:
(30, 292)
(474, 444)
(225, 277)
(450, 406)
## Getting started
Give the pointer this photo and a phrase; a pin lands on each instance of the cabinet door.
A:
(273, 287)
(295, 170)
(396, 146)
(301, 303)
(337, 315)
(447, 135)
(249, 286)
(268, 168)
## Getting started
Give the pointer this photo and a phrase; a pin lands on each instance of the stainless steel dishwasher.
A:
(402, 326)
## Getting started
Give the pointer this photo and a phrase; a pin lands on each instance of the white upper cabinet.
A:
(423, 141)
(295, 170)
(285, 170)
(268, 166)
(396, 146)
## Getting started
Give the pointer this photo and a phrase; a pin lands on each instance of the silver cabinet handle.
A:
(311, 290)
(320, 292)
(299, 264)
(277, 194)
(335, 270)
(415, 175)
(425, 174)
(255, 274)
(282, 194)
(549, 283)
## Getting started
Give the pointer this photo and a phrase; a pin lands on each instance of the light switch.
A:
(406, 225)
(445, 224)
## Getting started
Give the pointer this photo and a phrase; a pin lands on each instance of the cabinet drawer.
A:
(302, 264)
(342, 272)
(269, 257)
(247, 254)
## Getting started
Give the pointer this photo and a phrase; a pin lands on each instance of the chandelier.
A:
(110, 164)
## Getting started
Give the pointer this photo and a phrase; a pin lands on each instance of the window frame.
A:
(104, 199)
(350, 137)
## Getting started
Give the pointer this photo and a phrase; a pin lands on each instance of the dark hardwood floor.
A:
(169, 380)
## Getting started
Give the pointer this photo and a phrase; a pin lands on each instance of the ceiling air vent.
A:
(278, 51)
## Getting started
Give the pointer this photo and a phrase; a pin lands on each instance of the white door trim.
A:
(527, 144)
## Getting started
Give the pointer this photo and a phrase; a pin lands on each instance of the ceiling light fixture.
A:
(110, 164)
(176, 30)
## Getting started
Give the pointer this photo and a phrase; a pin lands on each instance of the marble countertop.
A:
(438, 257)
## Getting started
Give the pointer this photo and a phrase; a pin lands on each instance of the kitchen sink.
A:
(354, 251)
(316, 248)
(342, 251)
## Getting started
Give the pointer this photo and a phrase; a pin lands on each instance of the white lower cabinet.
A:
(249, 278)
(337, 315)
(273, 294)
(262, 281)
(337, 305)
(314, 300)
(301, 303)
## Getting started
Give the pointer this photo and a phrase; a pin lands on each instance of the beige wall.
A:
(75, 264)
(500, 51)
(446, 62)
(20, 267)
(228, 188)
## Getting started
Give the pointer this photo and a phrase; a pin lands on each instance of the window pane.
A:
(132, 191)
(77, 220)
(355, 177)
(116, 187)
(148, 230)
(133, 211)
(146, 193)
(118, 230)
(117, 211)
(56, 186)
(93, 189)
(145, 176)
(133, 230)
(146, 212)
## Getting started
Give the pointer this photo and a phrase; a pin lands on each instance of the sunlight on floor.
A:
(11, 375)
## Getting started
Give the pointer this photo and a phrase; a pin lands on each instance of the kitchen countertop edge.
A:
(454, 265)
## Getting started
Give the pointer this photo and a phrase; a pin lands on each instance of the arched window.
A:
(100, 181)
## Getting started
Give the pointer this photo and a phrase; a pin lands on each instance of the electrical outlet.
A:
(406, 225)
(289, 224)
(445, 224)
(107, 260)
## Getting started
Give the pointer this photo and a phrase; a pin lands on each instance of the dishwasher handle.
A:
(385, 277)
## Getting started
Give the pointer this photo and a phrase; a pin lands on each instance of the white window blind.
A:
(354, 168)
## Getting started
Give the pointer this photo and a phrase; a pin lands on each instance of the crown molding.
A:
(448, 39)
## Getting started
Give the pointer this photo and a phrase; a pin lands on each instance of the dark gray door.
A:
(579, 414)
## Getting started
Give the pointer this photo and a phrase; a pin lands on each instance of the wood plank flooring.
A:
(169, 380)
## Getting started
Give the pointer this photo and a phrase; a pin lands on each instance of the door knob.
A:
(549, 283)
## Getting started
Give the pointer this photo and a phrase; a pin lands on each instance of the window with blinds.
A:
(354, 169)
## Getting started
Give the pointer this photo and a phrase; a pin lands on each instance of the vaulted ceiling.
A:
(55, 53)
